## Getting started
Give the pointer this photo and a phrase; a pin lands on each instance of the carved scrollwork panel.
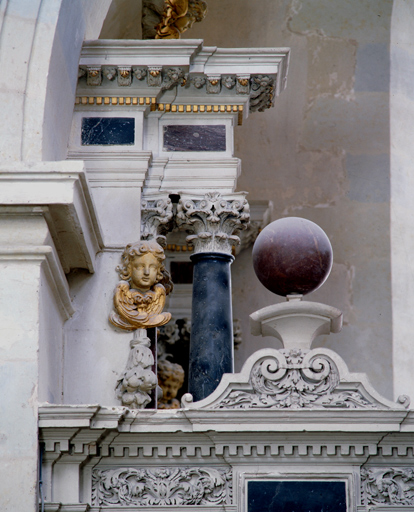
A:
(141, 487)
(294, 379)
(387, 486)
(262, 93)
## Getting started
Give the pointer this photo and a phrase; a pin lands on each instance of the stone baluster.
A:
(215, 221)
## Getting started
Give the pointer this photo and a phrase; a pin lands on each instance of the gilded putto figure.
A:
(139, 297)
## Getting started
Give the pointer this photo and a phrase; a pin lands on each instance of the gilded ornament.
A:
(179, 16)
(155, 72)
(139, 297)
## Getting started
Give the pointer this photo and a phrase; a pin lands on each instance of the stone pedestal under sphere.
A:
(292, 255)
(211, 345)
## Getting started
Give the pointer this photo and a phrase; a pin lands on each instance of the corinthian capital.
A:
(156, 218)
(214, 220)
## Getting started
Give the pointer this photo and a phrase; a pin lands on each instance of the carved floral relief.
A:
(161, 486)
(294, 379)
(387, 486)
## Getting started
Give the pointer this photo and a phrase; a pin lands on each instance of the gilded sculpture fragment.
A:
(139, 297)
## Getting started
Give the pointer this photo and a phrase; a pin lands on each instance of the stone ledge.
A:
(62, 190)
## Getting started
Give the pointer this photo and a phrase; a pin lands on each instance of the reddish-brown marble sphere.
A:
(292, 255)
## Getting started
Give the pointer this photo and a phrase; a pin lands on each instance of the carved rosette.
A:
(387, 486)
(294, 379)
(161, 487)
(156, 218)
(215, 220)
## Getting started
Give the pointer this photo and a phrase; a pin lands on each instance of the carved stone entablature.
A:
(156, 218)
(387, 486)
(230, 76)
(214, 219)
(164, 486)
(294, 379)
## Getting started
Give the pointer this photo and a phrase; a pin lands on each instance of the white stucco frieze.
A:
(161, 486)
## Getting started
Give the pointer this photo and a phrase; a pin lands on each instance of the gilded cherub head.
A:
(143, 266)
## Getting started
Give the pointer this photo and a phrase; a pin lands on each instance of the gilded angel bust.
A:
(140, 297)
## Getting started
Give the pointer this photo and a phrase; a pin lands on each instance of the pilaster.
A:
(47, 227)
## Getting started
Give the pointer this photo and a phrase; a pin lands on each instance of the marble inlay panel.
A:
(195, 137)
(107, 131)
(296, 496)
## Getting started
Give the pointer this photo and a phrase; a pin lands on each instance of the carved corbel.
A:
(124, 76)
(94, 75)
(243, 84)
(154, 76)
(213, 84)
(215, 220)
(156, 218)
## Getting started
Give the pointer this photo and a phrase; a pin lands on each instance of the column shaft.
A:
(211, 344)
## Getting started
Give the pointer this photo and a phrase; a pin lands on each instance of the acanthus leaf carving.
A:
(156, 218)
(387, 486)
(214, 219)
(294, 379)
(161, 486)
(262, 93)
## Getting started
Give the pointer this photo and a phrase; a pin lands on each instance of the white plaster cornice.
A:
(63, 189)
(174, 52)
(207, 76)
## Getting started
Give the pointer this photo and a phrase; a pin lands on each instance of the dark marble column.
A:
(215, 222)
(211, 345)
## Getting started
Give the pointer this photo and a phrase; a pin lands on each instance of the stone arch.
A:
(40, 43)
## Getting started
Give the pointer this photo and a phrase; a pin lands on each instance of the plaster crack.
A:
(382, 439)
(109, 446)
